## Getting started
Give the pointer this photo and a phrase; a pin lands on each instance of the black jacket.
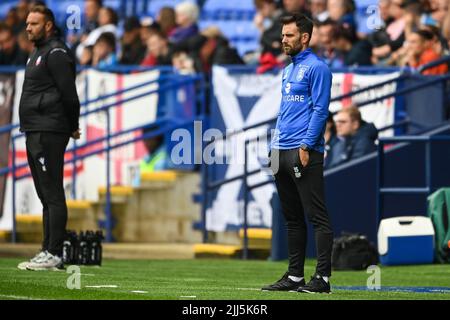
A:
(49, 100)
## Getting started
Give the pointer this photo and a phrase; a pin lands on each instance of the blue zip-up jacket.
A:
(306, 90)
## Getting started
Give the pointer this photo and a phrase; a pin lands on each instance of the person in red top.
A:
(421, 52)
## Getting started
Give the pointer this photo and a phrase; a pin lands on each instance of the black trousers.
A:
(301, 191)
(45, 153)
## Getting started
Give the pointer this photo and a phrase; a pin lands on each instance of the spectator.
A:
(319, 10)
(342, 12)
(326, 49)
(133, 51)
(107, 21)
(167, 20)
(147, 29)
(355, 137)
(210, 47)
(183, 63)
(186, 18)
(24, 43)
(91, 14)
(158, 51)
(90, 23)
(356, 53)
(10, 52)
(291, 6)
(268, 21)
(420, 49)
(446, 25)
(86, 57)
(390, 39)
(157, 158)
(104, 51)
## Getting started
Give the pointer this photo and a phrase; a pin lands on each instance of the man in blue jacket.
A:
(297, 157)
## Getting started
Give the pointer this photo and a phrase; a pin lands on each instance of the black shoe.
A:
(284, 284)
(316, 285)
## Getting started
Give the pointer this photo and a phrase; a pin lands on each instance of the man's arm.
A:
(321, 79)
(61, 68)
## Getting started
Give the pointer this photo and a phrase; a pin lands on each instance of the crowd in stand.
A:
(398, 33)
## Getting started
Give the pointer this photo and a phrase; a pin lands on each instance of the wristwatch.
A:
(304, 147)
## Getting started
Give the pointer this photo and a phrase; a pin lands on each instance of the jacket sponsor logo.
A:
(294, 98)
(38, 60)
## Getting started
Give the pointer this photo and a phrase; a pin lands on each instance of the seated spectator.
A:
(104, 51)
(342, 12)
(390, 39)
(157, 158)
(356, 53)
(90, 23)
(10, 52)
(86, 57)
(354, 138)
(208, 48)
(183, 63)
(420, 52)
(326, 49)
(319, 10)
(133, 51)
(187, 14)
(167, 20)
(107, 20)
(159, 52)
(292, 6)
(267, 20)
(24, 43)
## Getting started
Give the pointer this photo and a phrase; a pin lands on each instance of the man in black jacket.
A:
(49, 111)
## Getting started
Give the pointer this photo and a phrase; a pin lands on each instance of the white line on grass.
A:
(18, 297)
(188, 297)
(139, 291)
(103, 286)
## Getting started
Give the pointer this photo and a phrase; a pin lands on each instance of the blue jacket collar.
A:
(301, 55)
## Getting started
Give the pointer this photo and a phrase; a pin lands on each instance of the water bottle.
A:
(98, 247)
(83, 254)
(67, 254)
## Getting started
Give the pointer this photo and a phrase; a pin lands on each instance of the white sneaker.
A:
(38, 256)
(48, 262)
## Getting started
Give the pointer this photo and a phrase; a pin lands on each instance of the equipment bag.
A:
(353, 252)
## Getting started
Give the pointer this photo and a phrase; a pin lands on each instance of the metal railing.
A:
(167, 82)
(382, 190)
(208, 186)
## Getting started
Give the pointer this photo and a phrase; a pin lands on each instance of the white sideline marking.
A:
(18, 297)
(188, 296)
(103, 286)
(252, 289)
(139, 291)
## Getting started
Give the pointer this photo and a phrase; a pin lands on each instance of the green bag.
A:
(439, 213)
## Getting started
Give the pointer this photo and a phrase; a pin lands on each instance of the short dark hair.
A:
(48, 14)
(109, 38)
(424, 34)
(304, 24)
(5, 28)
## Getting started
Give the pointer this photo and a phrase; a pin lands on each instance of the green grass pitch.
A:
(204, 279)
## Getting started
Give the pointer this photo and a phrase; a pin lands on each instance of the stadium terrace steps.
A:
(81, 216)
(159, 210)
(258, 237)
(113, 250)
(259, 244)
